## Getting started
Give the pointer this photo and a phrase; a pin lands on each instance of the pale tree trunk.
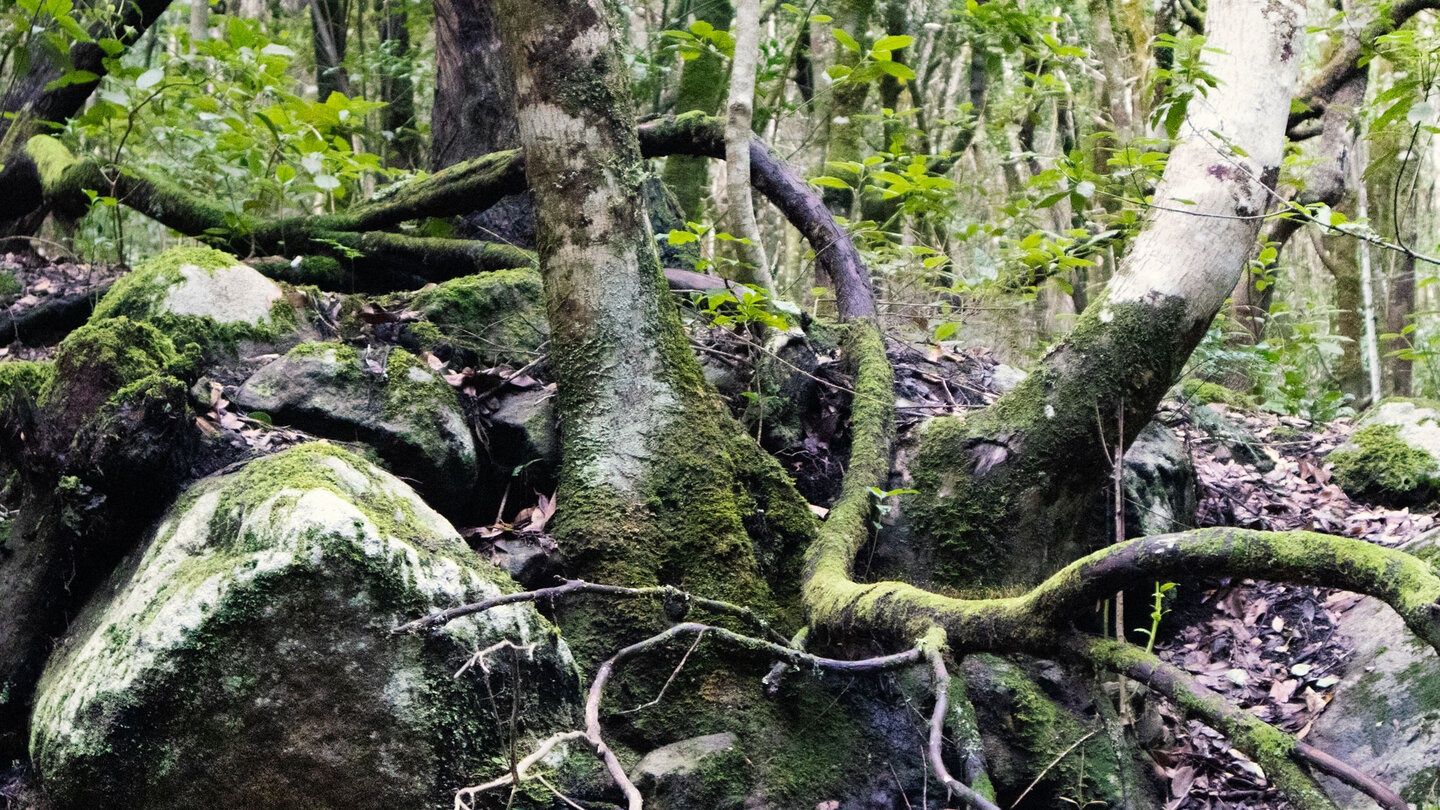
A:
(842, 137)
(739, 113)
(1001, 489)
(199, 22)
(655, 475)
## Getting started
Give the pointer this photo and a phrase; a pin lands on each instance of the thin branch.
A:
(937, 736)
(576, 587)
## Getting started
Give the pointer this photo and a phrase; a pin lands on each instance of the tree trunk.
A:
(740, 110)
(656, 476)
(1000, 490)
(329, 31)
(844, 128)
(702, 85)
(397, 89)
(1341, 258)
(474, 111)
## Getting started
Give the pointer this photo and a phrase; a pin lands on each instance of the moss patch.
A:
(1383, 468)
(497, 316)
(1203, 392)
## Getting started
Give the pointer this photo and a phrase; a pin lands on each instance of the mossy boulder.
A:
(1393, 457)
(203, 296)
(243, 658)
(388, 399)
(483, 319)
(1385, 718)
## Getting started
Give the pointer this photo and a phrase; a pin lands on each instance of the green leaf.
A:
(73, 77)
(830, 182)
(682, 237)
(846, 40)
(893, 43)
(945, 330)
(897, 69)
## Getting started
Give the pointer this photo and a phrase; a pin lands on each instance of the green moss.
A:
(51, 158)
(1423, 789)
(139, 294)
(10, 289)
(21, 380)
(498, 316)
(1383, 467)
(1001, 488)
(1204, 392)
(99, 359)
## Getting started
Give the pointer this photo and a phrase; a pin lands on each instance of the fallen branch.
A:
(1276, 751)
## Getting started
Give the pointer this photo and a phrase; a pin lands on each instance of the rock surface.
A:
(244, 659)
(388, 400)
(199, 284)
(1393, 457)
(1159, 483)
(680, 759)
(1385, 718)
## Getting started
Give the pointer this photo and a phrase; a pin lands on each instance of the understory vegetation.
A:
(716, 404)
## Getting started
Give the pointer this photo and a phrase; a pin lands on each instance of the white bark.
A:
(1218, 182)
(739, 115)
(1367, 313)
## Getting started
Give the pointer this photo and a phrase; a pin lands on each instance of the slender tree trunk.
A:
(329, 29)
(702, 86)
(843, 136)
(199, 22)
(397, 89)
(739, 113)
(1340, 257)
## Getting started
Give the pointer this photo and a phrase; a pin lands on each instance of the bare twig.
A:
(1053, 763)
(937, 736)
(465, 797)
(574, 587)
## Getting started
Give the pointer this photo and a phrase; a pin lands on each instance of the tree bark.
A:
(474, 111)
(655, 474)
(740, 111)
(702, 86)
(1000, 489)
(329, 30)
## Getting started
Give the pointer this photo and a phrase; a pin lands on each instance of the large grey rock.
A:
(243, 658)
(1385, 718)
(389, 400)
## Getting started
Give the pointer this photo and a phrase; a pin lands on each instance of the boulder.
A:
(680, 759)
(1159, 483)
(203, 296)
(243, 657)
(484, 319)
(390, 400)
(1385, 718)
(1393, 457)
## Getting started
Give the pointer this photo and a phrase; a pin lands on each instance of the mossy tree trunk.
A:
(1001, 489)
(702, 85)
(657, 480)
